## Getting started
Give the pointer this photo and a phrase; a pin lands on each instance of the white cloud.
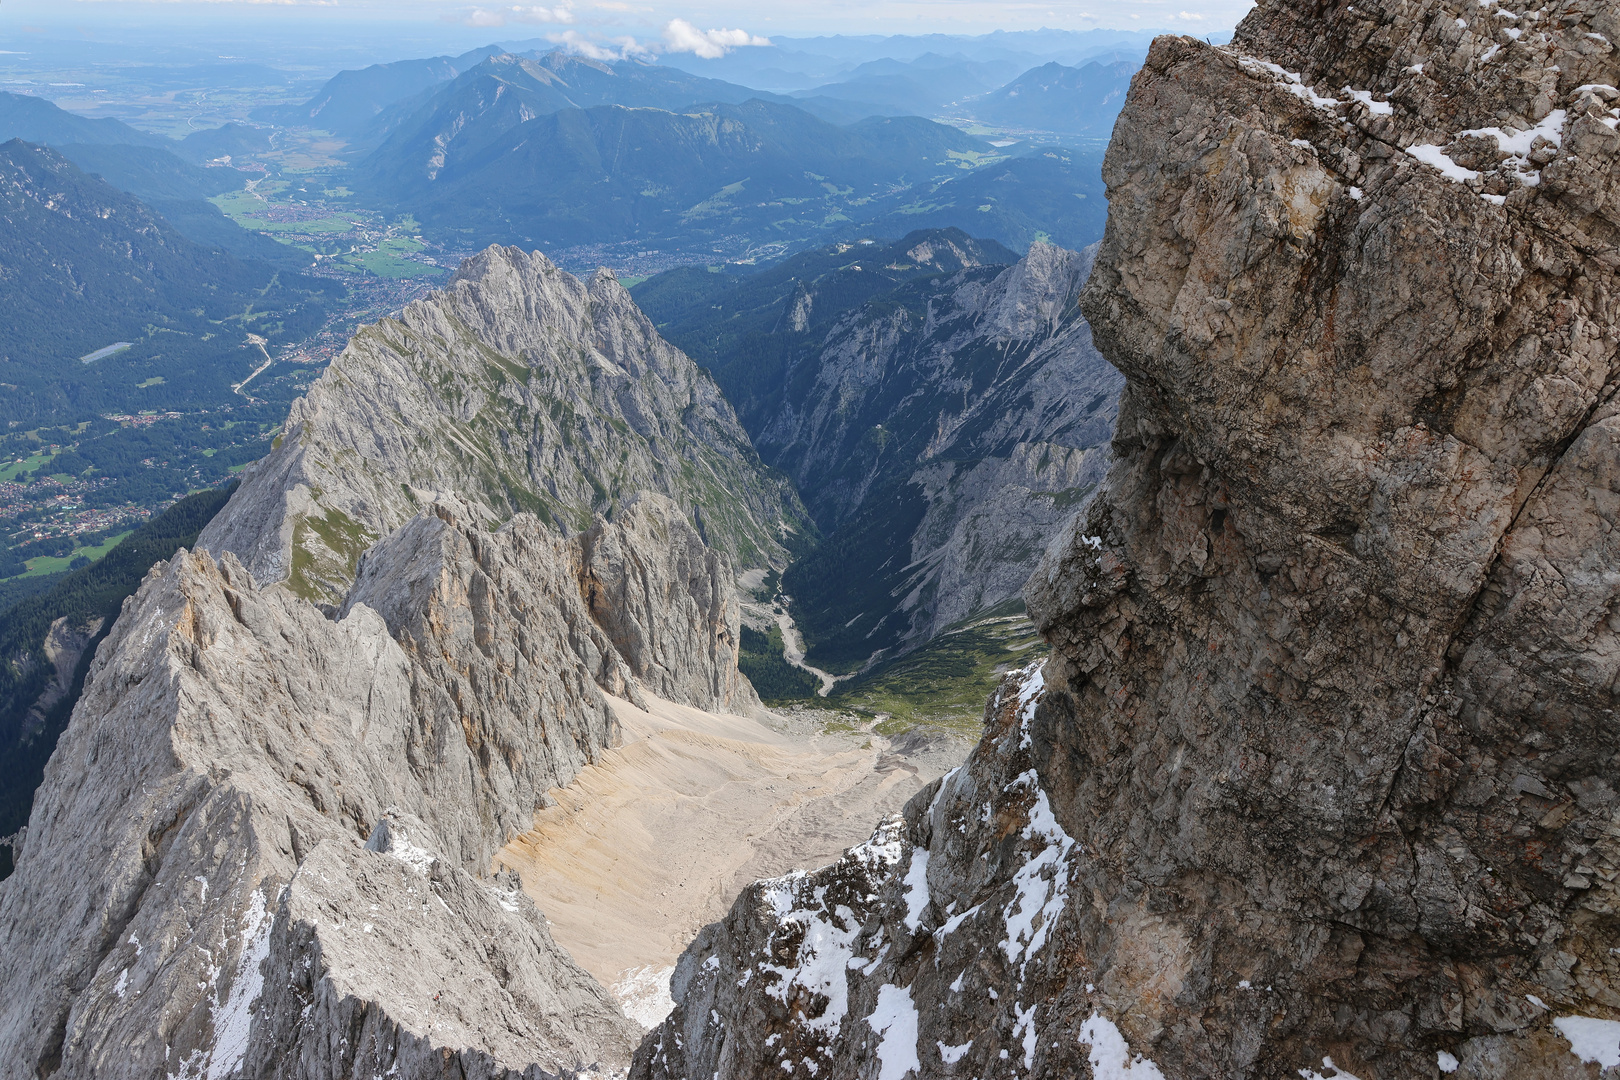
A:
(623, 48)
(682, 36)
(1190, 16)
(502, 16)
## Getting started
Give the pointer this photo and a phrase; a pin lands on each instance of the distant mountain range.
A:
(802, 63)
(1071, 101)
(1052, 194)
(762, 170)
(403, 101)
(352, 100)
(474, 109)
(920, 87)
(36, 120)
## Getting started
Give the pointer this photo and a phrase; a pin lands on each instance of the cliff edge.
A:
(1319, 780)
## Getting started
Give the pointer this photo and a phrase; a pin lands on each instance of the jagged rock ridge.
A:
(264, 844)
(519, 388)
(1320, 779)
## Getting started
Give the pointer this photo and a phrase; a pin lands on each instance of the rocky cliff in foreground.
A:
(1319, 780)
(518, 388)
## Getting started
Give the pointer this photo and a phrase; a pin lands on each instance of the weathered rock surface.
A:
(925, 949)
(227, 732)
(940, 434)
(1321, 781)
(192, 897)
(667, 603)
(517, 388)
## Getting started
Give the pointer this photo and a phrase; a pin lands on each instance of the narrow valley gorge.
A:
(432, 759)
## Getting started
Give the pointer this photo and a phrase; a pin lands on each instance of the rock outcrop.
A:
(1319, 779)
(518, 388)
(939, 434)
(65, 642)
(231, 752)
(667, 603)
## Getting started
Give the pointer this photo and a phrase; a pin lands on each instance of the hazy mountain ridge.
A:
(165, 174)
(798, 63)
(1068, 100)
(716, 173)
(351, 101)
(35, 120)
(920, 87)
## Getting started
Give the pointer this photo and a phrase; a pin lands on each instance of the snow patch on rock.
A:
(1593, 1041)
(895, 1018)
(1110, 1054)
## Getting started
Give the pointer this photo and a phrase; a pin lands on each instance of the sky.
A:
(680, 26)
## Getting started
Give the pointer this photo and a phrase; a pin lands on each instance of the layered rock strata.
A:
(518, 388)
(263, 845)
(1320, 781)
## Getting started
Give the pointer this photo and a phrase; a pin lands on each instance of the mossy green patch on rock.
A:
(326, 548)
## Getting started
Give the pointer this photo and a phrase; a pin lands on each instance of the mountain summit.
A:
(517, 388)
(265, 840)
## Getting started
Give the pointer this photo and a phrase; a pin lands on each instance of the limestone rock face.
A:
(232, 751)
(517, 388)
(64, 644)
(399, 985)
(667, 603)
(192, 893)
(1321, 778)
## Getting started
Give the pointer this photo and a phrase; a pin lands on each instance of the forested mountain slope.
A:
(84, 266)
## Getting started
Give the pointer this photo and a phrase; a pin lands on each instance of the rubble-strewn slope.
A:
(518, 387)
(939, 433)
(192, 897)
(1321, 782)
